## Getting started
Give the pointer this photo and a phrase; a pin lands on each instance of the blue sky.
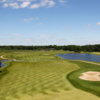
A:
(49, 22)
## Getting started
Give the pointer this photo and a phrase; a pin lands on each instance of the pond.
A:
(79, 56)
(2, 64)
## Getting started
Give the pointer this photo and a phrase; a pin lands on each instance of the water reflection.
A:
(78, 56)
(2, 64)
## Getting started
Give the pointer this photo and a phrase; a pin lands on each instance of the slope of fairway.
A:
(35, 77)
(89, 86)
(33, 56)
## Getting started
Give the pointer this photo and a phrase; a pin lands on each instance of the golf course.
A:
(40, 75)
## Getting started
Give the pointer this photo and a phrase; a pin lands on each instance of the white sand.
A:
(14, 60)
(3, 57)
(91, 76)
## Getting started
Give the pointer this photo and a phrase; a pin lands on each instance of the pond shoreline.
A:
(2, 63)
(80, 56)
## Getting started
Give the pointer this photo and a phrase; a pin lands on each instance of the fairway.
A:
(40, 75)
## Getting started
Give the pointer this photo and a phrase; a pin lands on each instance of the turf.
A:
(96, 53)
(39, 76)
(89, 86)
(35, 77)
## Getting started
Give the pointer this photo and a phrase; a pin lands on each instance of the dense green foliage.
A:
(75, 48)
(89, 86)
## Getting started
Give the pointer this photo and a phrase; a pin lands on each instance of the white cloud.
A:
(25, 4)
(51, 3)
(62, 1)
(40, 23)
(44, 2)
(48, 3)
(26, 0)
(17, 0)
(3, 1)
(47, 40)
(5, 5)
(30, 19)
(98, 23)
(14, 5)
(34, 6)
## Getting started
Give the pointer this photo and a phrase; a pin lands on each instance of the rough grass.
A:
(41, 76)
(96, 53)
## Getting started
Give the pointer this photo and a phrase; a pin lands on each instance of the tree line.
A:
(76, 48)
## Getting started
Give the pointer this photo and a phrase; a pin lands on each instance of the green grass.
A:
(40, 76)
(89, 86)
(34, 55)
(96, 53)
(4, 71)
(33, 77)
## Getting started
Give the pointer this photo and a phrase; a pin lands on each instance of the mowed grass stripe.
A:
(40, 75)
(30, 77)
(33, 56)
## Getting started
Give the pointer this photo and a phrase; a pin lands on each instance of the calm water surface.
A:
(76, 56)
(3, 64)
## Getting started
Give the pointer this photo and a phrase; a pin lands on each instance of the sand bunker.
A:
(91, 76)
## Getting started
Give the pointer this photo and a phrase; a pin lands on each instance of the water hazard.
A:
(2, 64)
(78, 56)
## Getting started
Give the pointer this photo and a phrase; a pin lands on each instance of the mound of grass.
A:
(89, 86)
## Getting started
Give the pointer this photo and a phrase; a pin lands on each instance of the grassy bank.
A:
(4, 71)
